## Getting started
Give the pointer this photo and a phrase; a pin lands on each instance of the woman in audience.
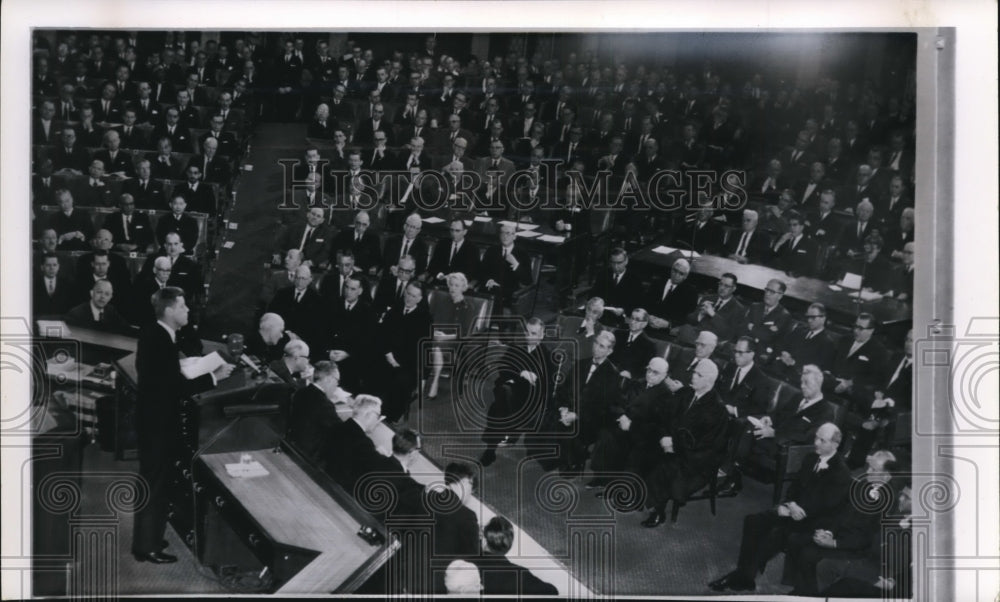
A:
(453, 320)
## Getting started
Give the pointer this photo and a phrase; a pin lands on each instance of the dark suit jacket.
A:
(78, 158)
(400, 335)
(821, 494)
(824, 229)
(185, 273)
(699, 431)
(386, 294)
(768, 330)
(466, 260)
(633, 357)
(865, 367)
(676, 307)
(151, 198)
(798, 260)
(306, 318)
(367, 251)
(849, 239)
(795, 427)
(757, 247)
(349, 455)
(500, 576)
(365, 134)
(162, 171)
(494, 267)
(38, 136)
(707, 239)
(58, 303)
(818, 350)
(418, 250)
(111, 320)
(161, 388)
(122, 162)
(726, 321)
(751, 396)
(139, 231)
(134, 140)
(317, 247)
(627, 294)
(351, 331)
(186, 227)
(200, 200)
(218, 169)
(456, 529)
(592, 401)
(228, 146)
(180, 140)
(312, 422)
(78, 221)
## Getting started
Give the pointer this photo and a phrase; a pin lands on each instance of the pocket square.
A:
(863, 358)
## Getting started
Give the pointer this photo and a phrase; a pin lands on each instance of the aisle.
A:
(252, 226)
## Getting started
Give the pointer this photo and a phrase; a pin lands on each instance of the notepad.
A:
(850, 281)
(193, 367)
(246, 470)
(665, 250)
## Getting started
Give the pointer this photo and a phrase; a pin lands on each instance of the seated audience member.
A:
(362, 243)
(321, 126)
(589, 327)
(775, 219)
(794, 252)
(671, 300)
(462, 577)
(852, 236)
(742, 385)
(767, 322)
(267, 343)
(350, 453)
(904, 275)
(117, 271)
(630, 440)
(394, 471)
(302, 308)
(693, 444)
(520, 392)
(680, 374)
(94, 191)
(399, 334)
(214, 167)
(859, 361)
(130, 231)
(293, 366)
(141, 308)
(51, 294)
(146, 191)
(407, 244)
(70, 156)
(585, 397)
(750, 244)
(73, 226)
(180, 223)
(317, 409)
(504, 269)
(226, 141)
(131, 137)
(789, 424)
(116, 162)
(500, 576)
(823, 224)
(888, 569)
(875, 271)
(452, 320)
(392, 285)
(347, 335)
(898, 236)
(314, 238)
(850, 533)
(635, 348)
(809, 345)
(454, 255)
(891, 394)
(455, 527)
(199, 195)
(183, 270)
(620, 288)
(98, 266)
(43, 188)
(721, 314)
(279, 279)
(701, 232)
(820, 490)
(98, 313)
(164, 166)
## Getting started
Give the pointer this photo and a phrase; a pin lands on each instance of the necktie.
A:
(718, 304)
(861, 229)
(810, 335)
(802, 405)
(736, 379)
(454, 249)
(405, 249)
(50, 285)
(496, 164)
(453, 136)
(399, 288)
(298, 296)
(128, 222)
(593, 368)
(106, 104)
(902, 366)
(305, 237)
(741, 250)
(666, 290)
(100, 315)
(618, 279)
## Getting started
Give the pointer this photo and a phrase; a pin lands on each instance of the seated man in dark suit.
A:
(116, 162)
(112, 266)
(314, 238)
(184, 272)
(267, 343)
(70, 154)
(407, 244)
(819, 491)
(199, 195)
(701, 232)
(302, 308)
(293, 367)
(809, 345)
(362, 243)
(504, 269)
(620, 288)
(94, 191)
(794, 251)
(130, 231)
(848, 534)
(454, 255)
(317, 410)
(175, 131)
(903, 288)
(350, 453)
(180, 223)
(875, 270)
(51, 294)
(687, 361)
(721, 313)
(213, 166)
(391, 288)
(131, 137)
(693, 445)
(824, 226)
(634, 348)
(742, 385)
(228, 147)
(767, 321)
(499, 575)
(72, 226)
(394, 471)
(164, 165)
(98, 313)
(860, 361)
(672, 299)
(750, 244)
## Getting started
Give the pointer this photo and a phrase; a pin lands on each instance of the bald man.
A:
(213, 167)
(98, 313)
(267, 342)
(629, 441)
(693, 444)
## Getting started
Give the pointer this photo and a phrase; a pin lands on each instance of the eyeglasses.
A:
(405, 270)
(773, 292)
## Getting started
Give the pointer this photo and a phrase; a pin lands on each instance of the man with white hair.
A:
(321, 126)
(693, 446)
(629, 440)
(408, 243)
(704, 347)
(213, 167)
(671, 299)
(301, 307)
(280, 279)
(293, 366)
(853, 235)
(462, 577)
(819, 491)
(317, 409)
(267, 343)
(115, 161)
(750, 244)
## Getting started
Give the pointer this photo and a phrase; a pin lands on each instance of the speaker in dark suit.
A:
(161, 388)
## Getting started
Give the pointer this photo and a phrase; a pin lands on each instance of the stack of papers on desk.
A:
(665, 250)
(527, 234)
(193, 367)
(552, 238)
(247, 470)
